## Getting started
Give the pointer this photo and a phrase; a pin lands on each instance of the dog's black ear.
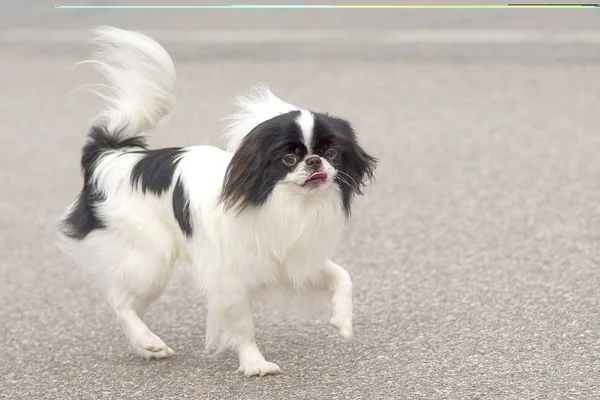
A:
(256, 166)
(359, 165)
(356, 168)
(244, 174)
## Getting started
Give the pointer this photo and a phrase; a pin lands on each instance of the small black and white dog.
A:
(266, 214)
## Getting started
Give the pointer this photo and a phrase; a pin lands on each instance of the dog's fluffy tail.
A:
(141, 83)
(254, 107)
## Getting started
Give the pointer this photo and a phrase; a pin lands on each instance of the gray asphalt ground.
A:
(475, 255)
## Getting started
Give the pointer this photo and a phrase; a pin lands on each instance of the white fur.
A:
(256, 106)
(284, 244)
(306, 121)
(142, 80)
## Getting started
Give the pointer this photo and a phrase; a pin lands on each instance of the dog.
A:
(264, 214)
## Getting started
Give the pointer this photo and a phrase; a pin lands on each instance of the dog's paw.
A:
(151, 347)
(343, 325)
(260, 368)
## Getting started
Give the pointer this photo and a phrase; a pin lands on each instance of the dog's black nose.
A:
(313, 162)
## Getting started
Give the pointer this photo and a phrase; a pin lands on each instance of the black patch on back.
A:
(154, 172)
(181, 209)
(83, 217)
(256, 166)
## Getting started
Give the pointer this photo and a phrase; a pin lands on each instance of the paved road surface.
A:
(475, 255)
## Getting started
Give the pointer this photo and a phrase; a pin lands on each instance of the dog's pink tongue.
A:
(317, 175)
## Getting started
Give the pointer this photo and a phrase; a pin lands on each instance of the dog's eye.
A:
(290, 159)
(330, 153)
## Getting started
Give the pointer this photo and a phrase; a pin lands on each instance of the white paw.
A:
(151, 347)
(343, 325)
(260, 368)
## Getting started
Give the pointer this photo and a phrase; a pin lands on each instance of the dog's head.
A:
(306, 152)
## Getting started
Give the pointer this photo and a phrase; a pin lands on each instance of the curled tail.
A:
(141, 85)
(140, 92)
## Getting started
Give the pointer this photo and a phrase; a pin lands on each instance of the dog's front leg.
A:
(231, 323)
(339, 284)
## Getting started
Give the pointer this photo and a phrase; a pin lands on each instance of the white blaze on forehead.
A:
(306, 122)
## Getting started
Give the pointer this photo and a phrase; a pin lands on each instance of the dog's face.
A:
(305, 151)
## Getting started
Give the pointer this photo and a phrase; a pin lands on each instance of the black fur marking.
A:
(355, 168)
(181, 209)
(256, 166)
(83, 219)
(99, 141)
(154, 172)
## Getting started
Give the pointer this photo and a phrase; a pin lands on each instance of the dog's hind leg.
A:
(138, 280)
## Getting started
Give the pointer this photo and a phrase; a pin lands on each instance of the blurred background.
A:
(349, 34)
(474, 255)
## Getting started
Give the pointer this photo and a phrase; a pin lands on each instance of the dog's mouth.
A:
(315, 179)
